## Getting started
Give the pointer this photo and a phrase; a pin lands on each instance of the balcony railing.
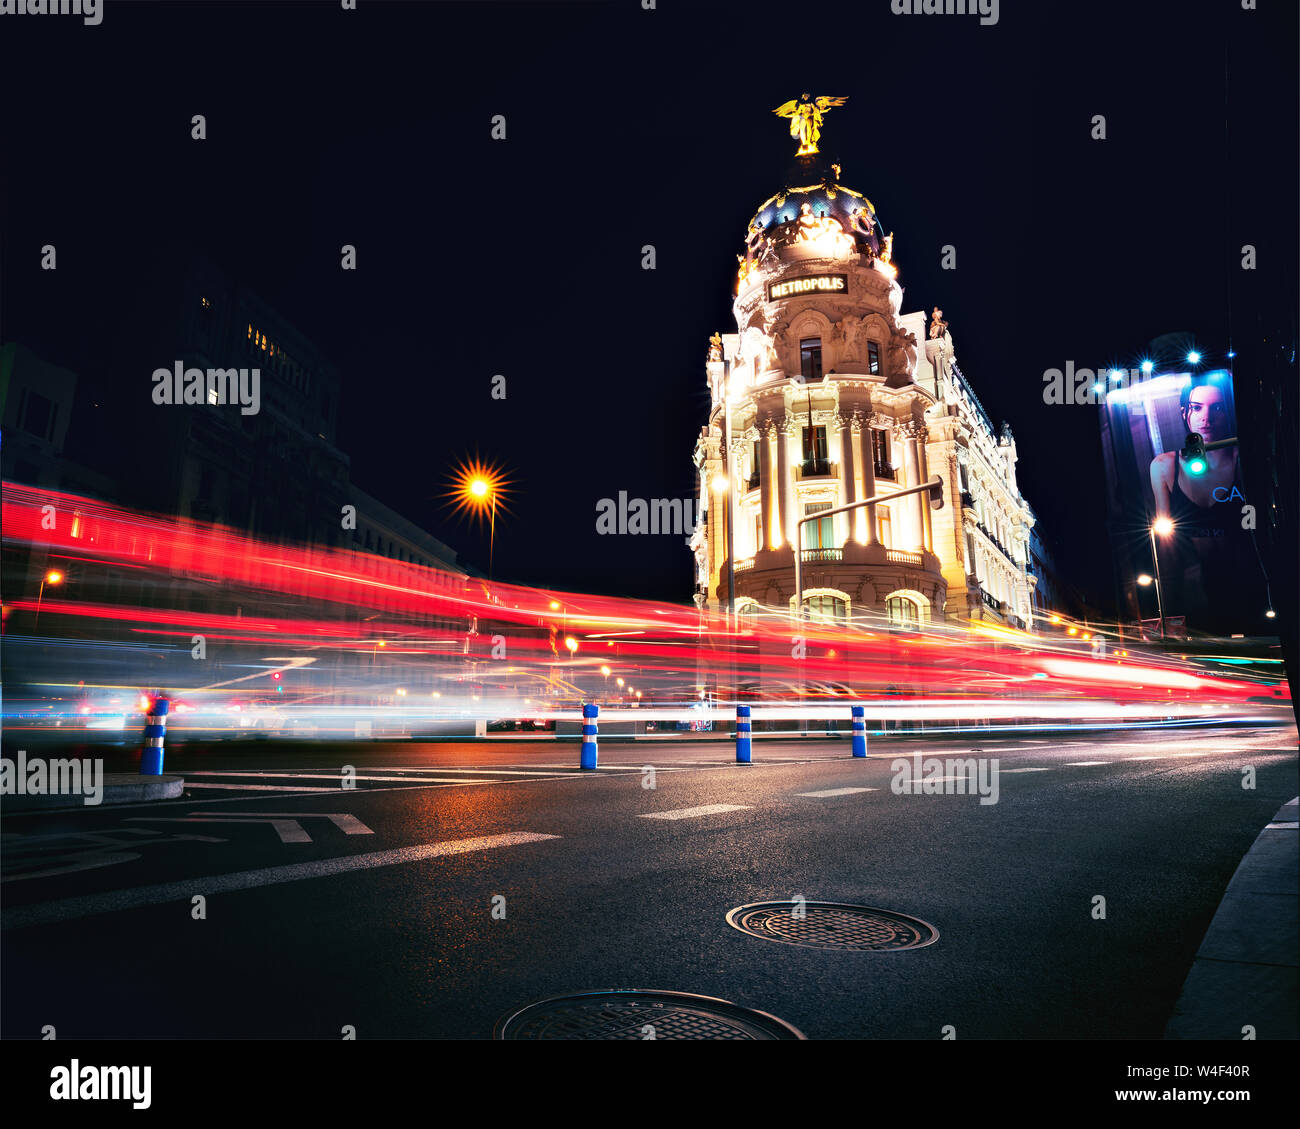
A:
(885, 472)
(816, 468)
(990, 602)
(900, 556)
(821, 556)
(742, 565)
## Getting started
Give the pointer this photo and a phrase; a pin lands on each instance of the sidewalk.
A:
(1245, 970)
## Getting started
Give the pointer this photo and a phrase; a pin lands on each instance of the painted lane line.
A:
(1085, 764)
(339, 777)
(834, 792)
(691, 813)
(1009, 771)
(345, 822)
(257, 787)
(1141, 758)
(68, 909)
(289, 830)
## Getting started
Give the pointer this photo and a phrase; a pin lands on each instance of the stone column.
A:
(911, 465)
(866, 462)
(848, 437)
(785, 476)
(923, 465)
(768, 493)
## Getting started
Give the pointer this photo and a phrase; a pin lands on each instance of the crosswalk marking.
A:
(691, 813)
(834, 792)
(257, 787)
(68, 909)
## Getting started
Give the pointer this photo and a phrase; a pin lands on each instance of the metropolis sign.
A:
(812, 284)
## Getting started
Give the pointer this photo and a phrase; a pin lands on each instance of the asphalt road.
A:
(379, 918)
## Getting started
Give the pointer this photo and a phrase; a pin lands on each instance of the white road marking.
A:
(1142, 758)
(1008, 771)
(834, 792)
(289, 830)
(1085, 764)
(257, 787)
(68, 909)
(339, 777)
(691, 813)
(344, 821)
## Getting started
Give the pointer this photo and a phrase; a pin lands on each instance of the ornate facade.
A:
(827, 395)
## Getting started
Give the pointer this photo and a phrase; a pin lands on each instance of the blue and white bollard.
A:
(859, 731)
(588, 758)
(744, 735)
(155, 730)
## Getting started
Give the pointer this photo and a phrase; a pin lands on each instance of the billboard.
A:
(1202, 549)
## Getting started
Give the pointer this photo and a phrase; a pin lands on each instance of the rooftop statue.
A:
(805, 116)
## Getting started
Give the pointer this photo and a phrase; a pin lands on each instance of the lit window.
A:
(826, 607)
(810, 358)
(873, 357)
(903, 612)
(818, 534)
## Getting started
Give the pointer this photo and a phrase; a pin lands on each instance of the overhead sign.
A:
(811, 284)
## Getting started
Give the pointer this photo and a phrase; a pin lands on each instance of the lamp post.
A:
(934, 488)
(53, 578)
(1164, 527)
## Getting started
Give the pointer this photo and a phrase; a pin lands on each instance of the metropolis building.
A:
(827, 395)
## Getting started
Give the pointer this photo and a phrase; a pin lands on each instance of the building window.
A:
(826, 607)
(970, 554)
(758, 532)
(747, 611)
(903, 612)
(873, 357)
(38, 415)
(755, 466)
(818, 534)
(810, 358)
(884, 534)
(880, 453)
(814, 450)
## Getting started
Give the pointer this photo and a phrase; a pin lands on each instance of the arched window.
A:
(826, 607)
(747, 611)
(903, 612)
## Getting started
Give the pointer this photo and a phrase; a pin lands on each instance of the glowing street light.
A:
(1193, 358)
(1148, 367)
(478, 487)
(53, 578)
(1162, 527)
(1144, 580)
(571, 643)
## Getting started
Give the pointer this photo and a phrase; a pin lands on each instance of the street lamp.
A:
(478, 487)
(1162, 527)
(53, 578)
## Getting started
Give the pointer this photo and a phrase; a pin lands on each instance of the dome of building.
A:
(854, 213)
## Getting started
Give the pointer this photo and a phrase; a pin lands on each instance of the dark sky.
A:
(628, 127)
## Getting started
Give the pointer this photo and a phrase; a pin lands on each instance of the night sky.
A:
(628, 127)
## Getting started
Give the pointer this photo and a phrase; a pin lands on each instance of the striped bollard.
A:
(859, 731)
(744, 738)
(155, 730)
(588, 758)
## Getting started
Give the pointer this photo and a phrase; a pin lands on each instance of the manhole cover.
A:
(830, 925)
(629, 1013)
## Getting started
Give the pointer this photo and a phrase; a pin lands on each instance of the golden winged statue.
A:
(805, 114)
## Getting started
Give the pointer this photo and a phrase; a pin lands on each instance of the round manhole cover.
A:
(831, 925)
(630, 1013)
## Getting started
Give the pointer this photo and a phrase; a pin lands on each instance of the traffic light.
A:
(275, 677)
(935, 493)
(1194, 454)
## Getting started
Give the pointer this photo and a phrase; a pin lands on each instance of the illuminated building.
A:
(827, 395)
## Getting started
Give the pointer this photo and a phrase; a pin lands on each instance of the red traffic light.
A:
(276, 676)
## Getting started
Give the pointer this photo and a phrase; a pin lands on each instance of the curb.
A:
(1244, 974)
(119, 788)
